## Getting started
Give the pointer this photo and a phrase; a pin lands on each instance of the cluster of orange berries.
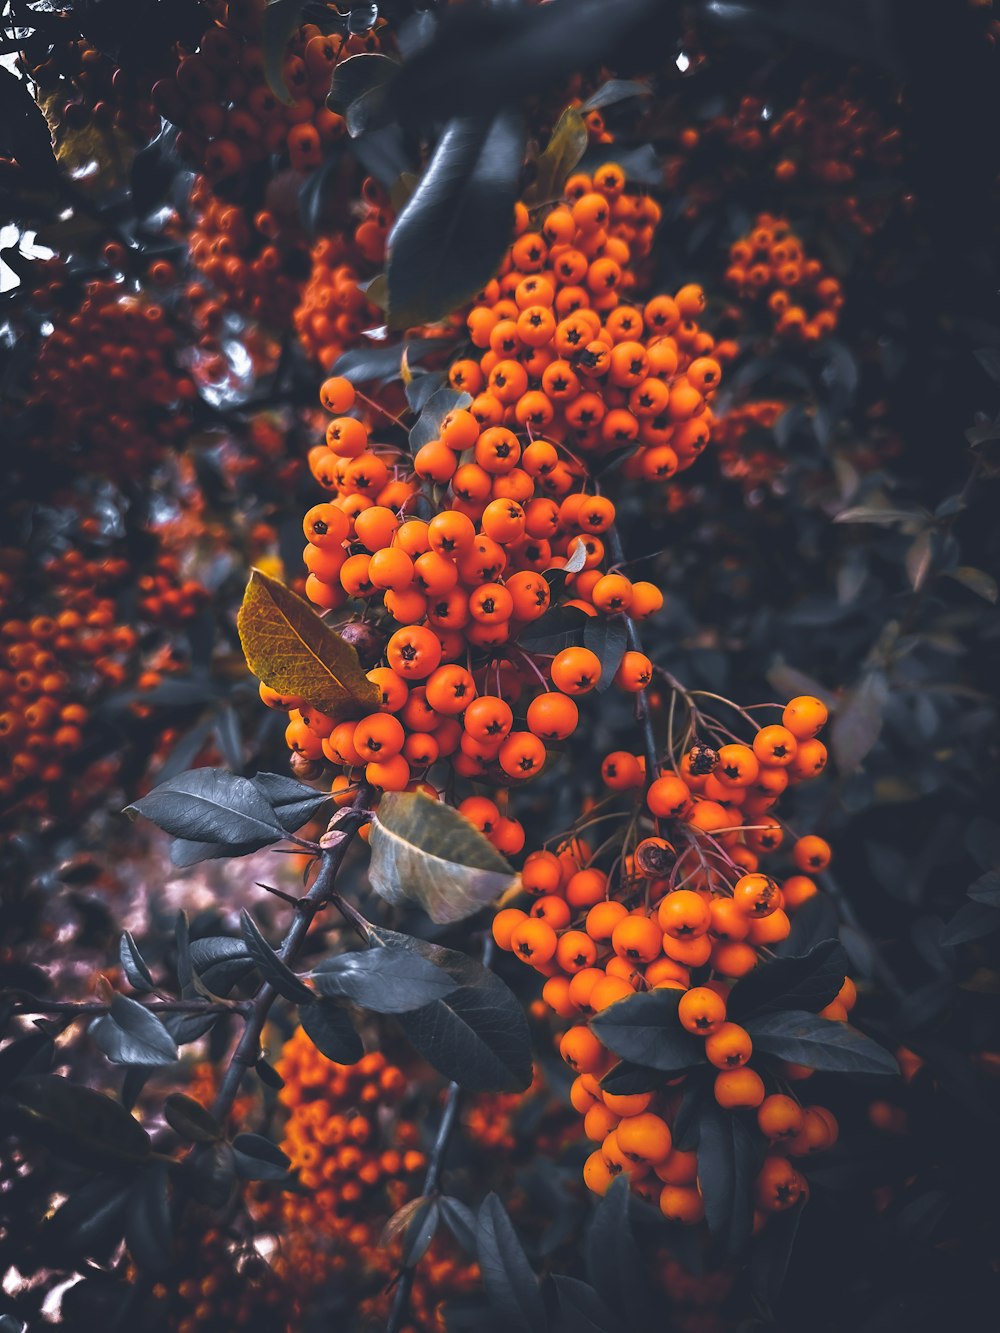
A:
(333, 310)
(769, 262)
(229, 116)
(683, 907)
(79, 86)
(110, 367)
(257, 263)
(165, 597)
(568, 359)
(223, 1284)
(354, 1147)
(744, 446)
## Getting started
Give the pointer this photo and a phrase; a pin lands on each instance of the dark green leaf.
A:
(148, 1232)
(614, 1263)
(358, 76)
(581, 1310)
(771, 1252)
(478, 1036)
(625, 1079)
(976, 580)
(381, 361)
(90, 1223)
(813, 923)
(386, 979)
(810, 982)
(136, 1078)
(330, 1030)
(640, 164)
(687, 1122)
(220, 962)
(645, 1030)
(270, 966)
(987, 889)
(293, 802)
(616, 90)
(131, 1035)
(450, 238)
(134, 965)
(820, 1043)
(268, 1075)
(257, 1158)
(420, 1232)
(24, 134)
(460, 1221)
(211, 805)
(608, 638)
(857, 723)
(427, 427)
(190, 1120)
(185, 967)
(77, 1121)
(509, 1279)
(727, 1168)
(185, 1028)
(972, 921)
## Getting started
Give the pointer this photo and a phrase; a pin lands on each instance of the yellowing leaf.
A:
(563, 151)
(424, 850)
(288, 647)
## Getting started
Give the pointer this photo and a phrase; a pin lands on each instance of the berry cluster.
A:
(354, 1143)
(682, 905)
(229, 116)
(222, 1285)
(769, 262)
(257, 263)
(110, 365)
(79, 87)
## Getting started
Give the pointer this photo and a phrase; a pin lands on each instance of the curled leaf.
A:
(427, 852)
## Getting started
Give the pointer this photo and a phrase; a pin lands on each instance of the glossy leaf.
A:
(190, 1119)
(809, 981)
(428, 425)
(645, 1030)
(134, 965)
(269, 964)
(478, 1035)
(130, 1035)
(727, 1167)
(608, 638)
(450, 238)
(257, 1158)
(331, 1031)
(290, 648)
(213, 806)
(820, 1043)
(385, 979)
(293, 802)
(220, 962)
(426, 852)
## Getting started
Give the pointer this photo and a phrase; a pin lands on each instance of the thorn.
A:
(279, 893)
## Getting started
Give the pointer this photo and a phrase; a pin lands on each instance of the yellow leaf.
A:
(565, 148)
(289, 648)
(424, 850)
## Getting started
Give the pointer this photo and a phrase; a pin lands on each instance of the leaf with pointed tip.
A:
(220, 962)
(608, 638)
(581, 1308)
(509, 1279)
(727, 1169)
(976, 580)
(809, 981)
(90, 1223)
(566, 146)
(148, 1229)
(293, 802)
(425, 851)
(190, 1119)
(130, 1035)
(478, 1035)
(614, 1264)
(78, 1122)
(427, 427)
(292, 650)
(270, 966)
(819, 1043)
(213, 806)
(381, 362)
(257, 1158)
(645, 1030)
(331, 1031)
(450, 238)
(461, 1222)
(771, 1253)
(857, 723)
(616, 90)
(385, 979)
(134, 965)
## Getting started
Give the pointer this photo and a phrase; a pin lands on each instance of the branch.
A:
(26, 1003)
(334, 846)
(435, 1165)
(642, 714)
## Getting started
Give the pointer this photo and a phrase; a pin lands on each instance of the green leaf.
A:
(361, 78)
(293, 802)
(976, 580)
(131, 1035)
(148, 1229)
(857, 724)
(386, 979)
(986, 889)
(211, 805)
(90, 1223)
(257, 1158)
(450, 238)
(270, 966)
(190, 1120)
(477, 1036)
(727, 1168)
(771, 1253)
(580, 1307)
(292, 650)
(614, 1263)
(509, 1279)
(460, 1221)
(972, 921)
(564, 150)
(625, 1078)
(220, 962)
(330, 1030)
(879, 514)
(427, 427)
(645, 1030)
(425, 851)
(819, 1043)
(809, 981)
(608, 638)
(616, 90)
(382, 362)
(78, 1122)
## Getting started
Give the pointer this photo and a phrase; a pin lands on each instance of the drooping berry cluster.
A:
(769, 263)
